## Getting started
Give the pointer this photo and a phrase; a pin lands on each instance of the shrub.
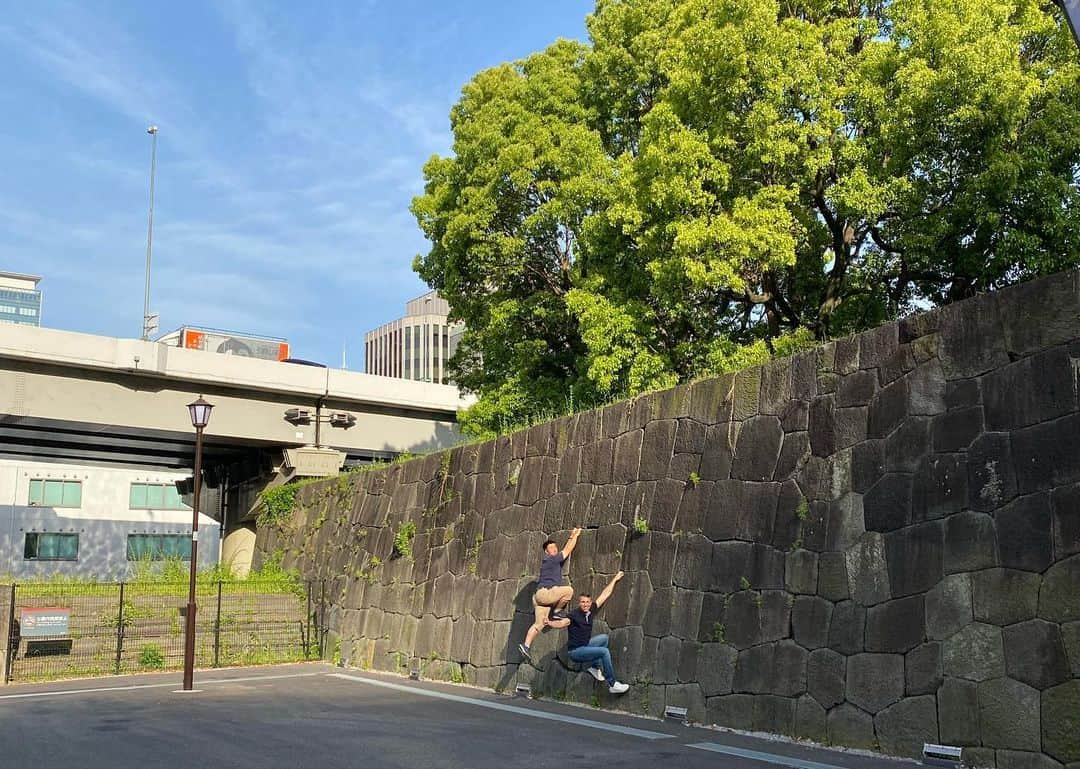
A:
(403, 539)
(151, 656)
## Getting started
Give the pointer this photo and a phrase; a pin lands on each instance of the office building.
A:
(20, 300)
(416, 346)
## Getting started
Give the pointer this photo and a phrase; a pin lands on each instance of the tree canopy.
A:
(709, 182)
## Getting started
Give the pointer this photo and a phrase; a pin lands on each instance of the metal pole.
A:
(8, 651)
(217, 627)
(120, 629)
(307, 634)
(189, 625)
(153, 131)
(322, 619)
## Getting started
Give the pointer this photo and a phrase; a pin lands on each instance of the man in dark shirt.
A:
(584, 647)
(552, 593)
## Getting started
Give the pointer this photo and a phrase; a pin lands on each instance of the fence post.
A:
(9, 637)
(217, 627)
(322, 619)
(307, 632)
(120, 629)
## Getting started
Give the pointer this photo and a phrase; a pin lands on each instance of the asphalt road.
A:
(320, 717)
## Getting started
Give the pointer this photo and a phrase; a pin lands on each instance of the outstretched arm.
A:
(571, 543)
(606, 592)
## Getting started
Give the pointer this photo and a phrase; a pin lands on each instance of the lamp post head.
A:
(152, 129)
(200, 413)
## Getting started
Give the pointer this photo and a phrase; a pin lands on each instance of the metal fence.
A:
(74, 630)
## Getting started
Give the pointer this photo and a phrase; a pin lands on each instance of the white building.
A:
(91, 521)
(20, 299)
(416, 346)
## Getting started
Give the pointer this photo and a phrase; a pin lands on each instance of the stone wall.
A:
(873, 544)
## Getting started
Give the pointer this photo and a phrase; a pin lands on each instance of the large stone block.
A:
(810, 720)
(1025, 759)
(657, 448)
(846, 633)
(940, 486)
(975, 653)
(720, 440)
(1030, 391)
(766, 567)
(657, 621)
(686, 614)
(716, 668)
(1009, 715)
(801, 572)
(1040, 313)
(793, 453)
(875, 681)
(970, 542)
(826, 675)
(742, 510)
(1035, 654)
(907, 445)
(832, 577)
(902, 729)
(627, 457)
(958, 712)
(972, 338)
(888, 409)
(868, 571)
(949, 606)
(775, 715)
(877, 345)
(867, 464)
(924, 669)
(847, 522)
(887, 505)
(775, 386)
(735, 711)
(687, 696)
(1066, 521)
(915, 557)
(1004, 596)
(689, 437)
(746, 393)
(795, 417)
(1024, 533)
(991, 472)
(666, 669)
(1070, 634)
(757, 449)
(956, 429)
(856, 389)
(851, 426)
(730, 562)
(823, 440)
(810, 618)
(1060, 735)
(754, 617)
(1048, 454)
(1059, 599)
(851, 727)
(896, 626)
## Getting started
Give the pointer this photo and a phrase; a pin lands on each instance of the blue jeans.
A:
(595, 652)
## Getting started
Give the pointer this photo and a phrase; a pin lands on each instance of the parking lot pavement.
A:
(323, 717)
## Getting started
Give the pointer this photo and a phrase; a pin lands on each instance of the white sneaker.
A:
(619, 688)
(596, 673)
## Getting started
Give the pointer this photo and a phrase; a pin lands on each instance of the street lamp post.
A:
(200, 417)
(153, 131)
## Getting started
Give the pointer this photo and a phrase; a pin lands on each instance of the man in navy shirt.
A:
(584, 647)
(552, 593)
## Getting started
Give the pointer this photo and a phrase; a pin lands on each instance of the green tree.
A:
(711, 182)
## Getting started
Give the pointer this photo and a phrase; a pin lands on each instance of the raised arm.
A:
(571, 543)
(606, 592)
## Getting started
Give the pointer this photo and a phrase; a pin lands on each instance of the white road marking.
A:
(757, 755)
(628, 730)
(134, 687)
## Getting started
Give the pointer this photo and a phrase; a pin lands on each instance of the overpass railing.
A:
(61, 630)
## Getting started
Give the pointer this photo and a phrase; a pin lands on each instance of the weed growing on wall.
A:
(403, 540)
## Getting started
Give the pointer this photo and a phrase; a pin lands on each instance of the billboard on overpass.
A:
(228, 343)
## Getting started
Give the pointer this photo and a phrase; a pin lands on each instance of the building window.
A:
(50, 493)
(51, 547)
(158, 547)
(155, 496)
(27, 311)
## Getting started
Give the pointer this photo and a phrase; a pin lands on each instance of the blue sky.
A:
(292, 141)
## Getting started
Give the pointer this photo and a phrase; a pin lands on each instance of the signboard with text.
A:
(44, 622)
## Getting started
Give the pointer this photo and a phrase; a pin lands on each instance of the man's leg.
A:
(593, 655)
(541, 606)
(600, 639)
(566, 592)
